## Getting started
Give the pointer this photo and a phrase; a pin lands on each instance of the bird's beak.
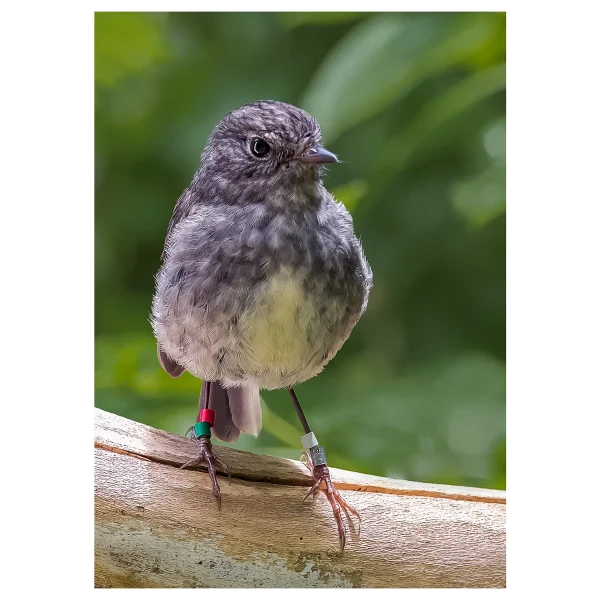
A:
(317, 155)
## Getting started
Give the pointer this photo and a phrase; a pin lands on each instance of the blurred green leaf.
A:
(493, 50)
(494, 140)
(499, 465)
(456, 100)
(473, 39)
(351, 193)
(130, 362)
(297, 19)
(382, 58)
(279, 428)
(421, 133)
(125, 43)
(364, 72)
(482, 198)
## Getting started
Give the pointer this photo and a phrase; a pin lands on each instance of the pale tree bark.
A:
(158, 526)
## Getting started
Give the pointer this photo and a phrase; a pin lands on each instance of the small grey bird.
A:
(262, 278)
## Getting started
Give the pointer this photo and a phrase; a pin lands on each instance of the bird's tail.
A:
(236, 410)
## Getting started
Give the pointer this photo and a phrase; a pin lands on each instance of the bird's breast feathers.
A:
(225, 312)
(288, 330)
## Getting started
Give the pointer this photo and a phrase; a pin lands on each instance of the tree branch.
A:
(159, 526)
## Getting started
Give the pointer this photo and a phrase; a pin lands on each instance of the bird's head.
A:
(266, 146)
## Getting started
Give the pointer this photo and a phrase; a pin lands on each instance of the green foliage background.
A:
(414, 104)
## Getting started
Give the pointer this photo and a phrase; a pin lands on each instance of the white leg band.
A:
(309, 441)
(313, 449)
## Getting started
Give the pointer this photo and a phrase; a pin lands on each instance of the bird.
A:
(262, 279)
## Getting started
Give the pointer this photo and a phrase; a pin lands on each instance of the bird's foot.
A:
(207, 457)
(323, 483)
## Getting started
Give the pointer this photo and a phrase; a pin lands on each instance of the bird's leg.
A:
(201, 433)
(316, 463)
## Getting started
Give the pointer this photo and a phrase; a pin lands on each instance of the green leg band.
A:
(202, 429)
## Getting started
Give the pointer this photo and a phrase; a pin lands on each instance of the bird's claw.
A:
(207, 457)
(321, 477)
(307, 463)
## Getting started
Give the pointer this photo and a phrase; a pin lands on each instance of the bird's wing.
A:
(183, 208)
(170, 366)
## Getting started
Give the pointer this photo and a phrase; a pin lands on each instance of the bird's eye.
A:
(259, 147)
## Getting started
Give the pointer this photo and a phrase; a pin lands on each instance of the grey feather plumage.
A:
(262, 277)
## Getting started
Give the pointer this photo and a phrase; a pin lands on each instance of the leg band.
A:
(309, 440)
(317, 455)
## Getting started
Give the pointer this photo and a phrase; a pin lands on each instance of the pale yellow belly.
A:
(281, 338)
